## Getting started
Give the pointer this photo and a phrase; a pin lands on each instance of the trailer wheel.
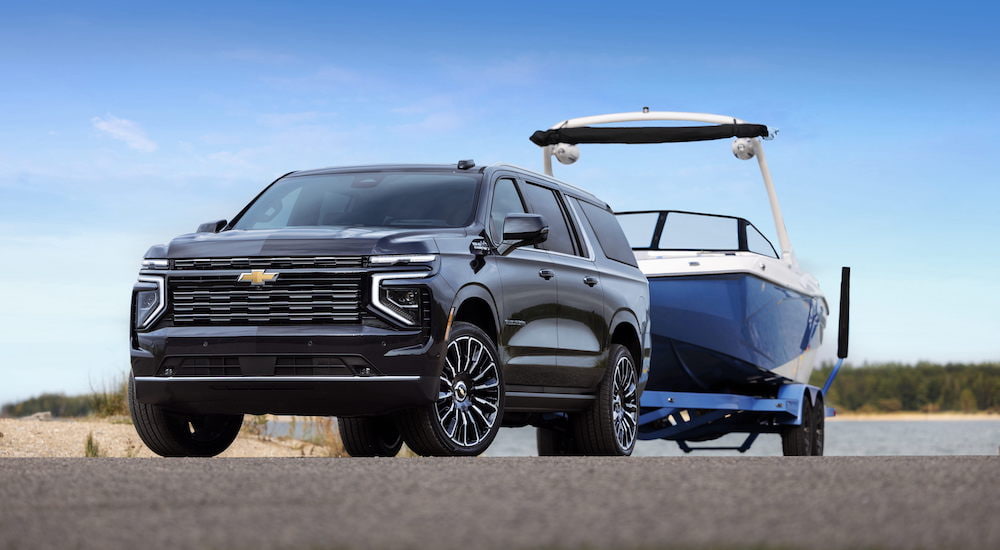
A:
(610, 426)
(798, 440)
(818, 426)
(370, 436)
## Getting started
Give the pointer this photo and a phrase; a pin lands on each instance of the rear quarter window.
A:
(609, 233)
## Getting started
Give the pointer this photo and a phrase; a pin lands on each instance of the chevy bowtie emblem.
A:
(257, 277)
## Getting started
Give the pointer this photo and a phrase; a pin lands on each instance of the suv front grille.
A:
(270, 263)
(292, 298)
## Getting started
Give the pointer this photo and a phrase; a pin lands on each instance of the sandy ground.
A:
(117, 438)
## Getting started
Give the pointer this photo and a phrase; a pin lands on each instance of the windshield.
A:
(365, 199)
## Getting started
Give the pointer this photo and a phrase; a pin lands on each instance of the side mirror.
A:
(212, 227)
(523, 230)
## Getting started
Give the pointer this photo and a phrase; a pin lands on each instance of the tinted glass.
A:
(506, 200)
(543, 201)
(365, 199)
(639, 228)
(756, 242)
(697, 232)
(609, 233)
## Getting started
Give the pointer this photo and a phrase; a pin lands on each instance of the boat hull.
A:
(731, 332)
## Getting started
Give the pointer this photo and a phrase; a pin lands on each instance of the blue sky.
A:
(123, 125)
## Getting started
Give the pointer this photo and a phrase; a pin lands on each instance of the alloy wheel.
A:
(469, 394)
(624, 404)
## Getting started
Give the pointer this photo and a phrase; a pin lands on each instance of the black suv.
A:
(425, 304)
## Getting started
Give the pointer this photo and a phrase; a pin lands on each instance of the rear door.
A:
(582, 327)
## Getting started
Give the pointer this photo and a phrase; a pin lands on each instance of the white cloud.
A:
(125, 130)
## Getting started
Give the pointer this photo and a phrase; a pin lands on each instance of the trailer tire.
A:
(798, 440)
(370, 436)
(610, 426)
(818, 426)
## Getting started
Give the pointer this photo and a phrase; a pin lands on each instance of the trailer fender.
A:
(795, 395)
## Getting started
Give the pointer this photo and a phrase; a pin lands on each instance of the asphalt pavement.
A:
(487, 503)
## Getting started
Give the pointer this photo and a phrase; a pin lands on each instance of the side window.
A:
(756, 242)
(544, 201)
(506, 200)
(609, 233)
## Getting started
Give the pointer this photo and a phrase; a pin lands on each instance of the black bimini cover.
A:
(648, 134)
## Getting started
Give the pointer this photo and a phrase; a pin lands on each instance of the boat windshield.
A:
(365, 199)
(676, 230)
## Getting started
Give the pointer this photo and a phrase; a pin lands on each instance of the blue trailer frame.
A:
(687, 416)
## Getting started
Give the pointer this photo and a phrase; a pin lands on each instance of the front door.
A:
(529, 299)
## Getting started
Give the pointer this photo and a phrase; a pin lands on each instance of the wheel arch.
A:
(625, 331)
(475, 304)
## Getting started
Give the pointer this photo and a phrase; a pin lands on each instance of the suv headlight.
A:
(401, 303)
(148, 300)
(155, 263)
(402, 259)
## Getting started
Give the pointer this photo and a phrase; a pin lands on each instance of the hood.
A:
(331, 241)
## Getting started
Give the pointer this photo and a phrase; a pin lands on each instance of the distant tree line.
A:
(111, 400)
(925, 387)
(884, 387)
(56, 403)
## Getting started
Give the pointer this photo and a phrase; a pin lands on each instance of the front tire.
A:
(610, 426)
(370, 436)
(466, 416)
(171, 434)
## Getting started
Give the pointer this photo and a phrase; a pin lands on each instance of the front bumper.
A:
(346, 370)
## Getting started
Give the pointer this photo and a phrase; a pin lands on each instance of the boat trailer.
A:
(686, 416)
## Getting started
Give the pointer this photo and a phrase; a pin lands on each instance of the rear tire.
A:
(610, 426)
(466, 416)
(798, 440)
(370, 436)
(171, 434)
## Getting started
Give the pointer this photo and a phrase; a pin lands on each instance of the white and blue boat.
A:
(730, 313)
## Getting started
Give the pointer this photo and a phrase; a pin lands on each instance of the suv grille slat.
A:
(292, 298)
(270, 263)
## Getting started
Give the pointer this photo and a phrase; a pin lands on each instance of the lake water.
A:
(843, 438)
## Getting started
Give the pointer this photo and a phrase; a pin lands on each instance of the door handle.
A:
(590, 281)
(546, 274)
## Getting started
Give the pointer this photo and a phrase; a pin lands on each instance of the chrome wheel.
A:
(469, 396)
(624, 405)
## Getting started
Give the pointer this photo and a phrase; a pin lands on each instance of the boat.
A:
(730, 313)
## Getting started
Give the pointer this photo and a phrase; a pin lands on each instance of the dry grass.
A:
(111, 398)
(90, 447)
